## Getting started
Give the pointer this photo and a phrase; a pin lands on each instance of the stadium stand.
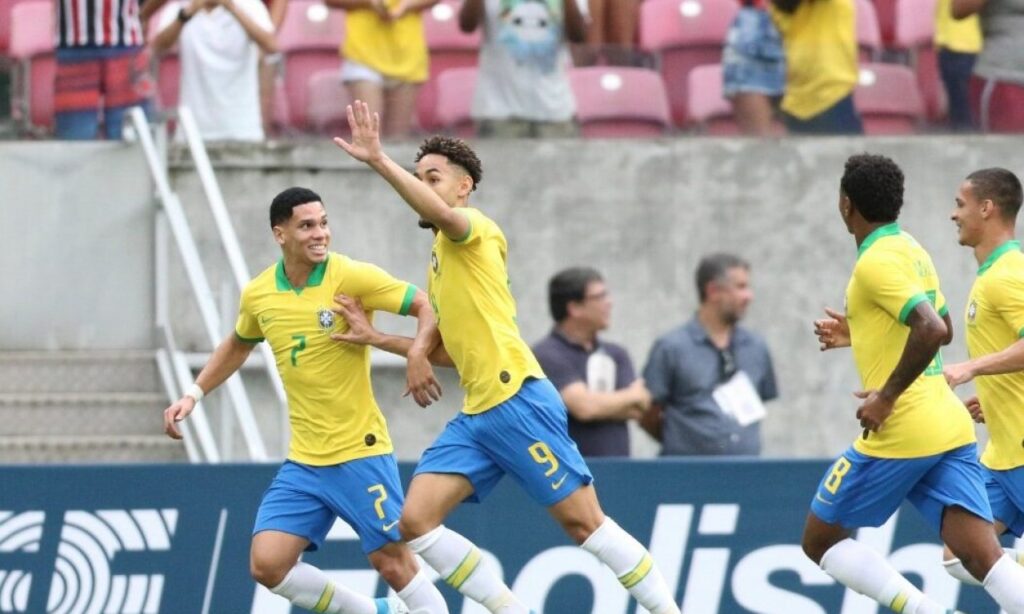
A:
(914, 33)
(449, 47)
(327, 98)
(31, 48)
(454, 98)
(888, 100)
(869, 36)
(309, 39)
(620, 102)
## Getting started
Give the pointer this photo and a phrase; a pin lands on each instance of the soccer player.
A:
(513, 420)
(340, 461)
(986, 213)
(918, 442)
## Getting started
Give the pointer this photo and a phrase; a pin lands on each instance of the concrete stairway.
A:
(83, 407)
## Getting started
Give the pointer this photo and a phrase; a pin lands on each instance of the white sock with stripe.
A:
(422, 597)
(457, 561)
(1005, 583)
(632, 565)
(956, 569)
(862, 569)
(308, 587)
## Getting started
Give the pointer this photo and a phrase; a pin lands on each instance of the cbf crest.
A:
(972, 311)
(325, 318)
(433, 261)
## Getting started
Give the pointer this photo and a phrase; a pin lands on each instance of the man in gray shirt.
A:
(687, 365)
(997, 87)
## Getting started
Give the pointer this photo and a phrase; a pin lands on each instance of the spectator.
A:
(102, 67)
(612, 30)
(594, 377)
(386, 57)
(753, 68)
(958, 42)
(997, 86)
(820, 42)
(270, 65)
(219, 42)
(709, 377)
(523, 85)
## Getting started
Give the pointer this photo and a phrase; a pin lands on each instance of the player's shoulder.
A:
(265, 281)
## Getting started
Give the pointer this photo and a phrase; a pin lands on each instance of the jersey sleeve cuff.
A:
(944, 310)
(469, 230)
(410, 293)
(912, 302)
(253, 340)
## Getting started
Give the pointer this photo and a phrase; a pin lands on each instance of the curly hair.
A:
(1000, 186)
(874, 184)
(457, 152)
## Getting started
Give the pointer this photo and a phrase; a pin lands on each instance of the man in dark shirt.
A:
(594, 377)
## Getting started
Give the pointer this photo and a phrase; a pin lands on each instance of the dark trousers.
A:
(840, 118)
(955, 69)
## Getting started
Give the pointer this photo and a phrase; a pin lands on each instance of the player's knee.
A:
(580, 529)
(410, 527)
(814, 548)
(396, 571)
(267, 571)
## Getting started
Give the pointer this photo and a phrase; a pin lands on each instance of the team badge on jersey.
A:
(325, 318)
(972, 310)
(433, 261)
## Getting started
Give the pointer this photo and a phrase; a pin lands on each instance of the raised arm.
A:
(471, 15)
(168, 35)
(575, 23)
(262, 36)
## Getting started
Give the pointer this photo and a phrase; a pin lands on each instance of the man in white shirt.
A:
(219, 43)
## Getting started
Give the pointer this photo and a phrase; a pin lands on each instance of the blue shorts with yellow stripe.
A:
(526, 437)
(1006, 496)
(304, 500)
(864, 491)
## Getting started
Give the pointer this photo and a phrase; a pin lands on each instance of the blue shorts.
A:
(304, 500)
(863, 491)
(753, 60)
(1006, 496)
(527, 437)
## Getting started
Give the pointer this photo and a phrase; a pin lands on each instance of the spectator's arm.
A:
(260, 35)
(169, 34)
(962, 9)
(471, 15)
(278, 9)
(148, 9)
(586, 405)
(575, 24)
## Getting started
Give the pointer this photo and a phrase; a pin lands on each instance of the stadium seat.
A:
(620, 102)
(683, 34)
(449, 47)
(454, 98)
(327, 101)
(32, 49)
(888, 100)
(309, 39)
(886, 12)
(869, 36)
(914, 34)
(710, 112)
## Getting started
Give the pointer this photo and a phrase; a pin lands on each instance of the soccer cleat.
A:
(391, 605)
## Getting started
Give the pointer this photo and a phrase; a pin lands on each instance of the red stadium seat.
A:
(620, 102)
(455, 88)
(32, 48)
(710, 111)
(869, 36)
(914, 33)
(309, 39)
(327, 101)
(5, 24)
(683, 34)
(449, 47)
(888, 100)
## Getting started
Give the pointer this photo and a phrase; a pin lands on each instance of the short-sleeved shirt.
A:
(995, 321)
(333, 415)
(821, 55)
(605, 367)
(682, 372)
(960, 35)
(1002, 57)
(892, 276)
(395, 48)
(476, 314)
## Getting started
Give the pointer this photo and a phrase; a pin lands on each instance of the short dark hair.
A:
(457, 152)
(282, 205)
(714, 267)
(1000, 186)
(567, 286)
(874, 184)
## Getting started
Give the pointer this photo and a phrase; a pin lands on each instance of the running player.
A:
(985, 215)
(340, 461)
(918, 443)
(513, 420)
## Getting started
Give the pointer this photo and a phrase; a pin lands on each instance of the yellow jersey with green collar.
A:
(995, 321)
(893, 275)
(476, 314)
(333, 415)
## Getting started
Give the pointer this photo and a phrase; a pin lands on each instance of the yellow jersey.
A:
(892, 276)
(396, 49)
(476, 314)
(821, 55)
(333, 415)
(995, 321)
(960, 35)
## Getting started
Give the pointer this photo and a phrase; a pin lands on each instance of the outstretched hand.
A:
(833, 331)
(365, 127)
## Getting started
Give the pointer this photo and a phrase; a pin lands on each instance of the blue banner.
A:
(175, 539)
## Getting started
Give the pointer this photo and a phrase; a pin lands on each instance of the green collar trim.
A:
(316, 277)
(1002, 249)
(882, 231)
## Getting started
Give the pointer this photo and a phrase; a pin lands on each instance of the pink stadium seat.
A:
(620, 102)
(327, 101)
(914, 33)
(869, 36)
(710, 112)
(449, 47)
(683, 34)
(309, 39)
(454, 98)
(32, 49)
(888, 100)
(886, 11)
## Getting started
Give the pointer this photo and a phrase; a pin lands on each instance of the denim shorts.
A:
(753, 60)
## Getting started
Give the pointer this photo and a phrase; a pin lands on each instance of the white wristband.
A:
(195, 392)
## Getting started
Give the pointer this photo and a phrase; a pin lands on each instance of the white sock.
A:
(862, 569)
(457, 561)
(308, 587)
(956, 569)
(633, 566)
(1005, 583)
(422, 597)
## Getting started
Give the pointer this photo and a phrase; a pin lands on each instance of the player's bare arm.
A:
(927, 332)
(420, 380)
(1009, 360)
(833, 331)
(229, 356)
(366, 147)
(361, 332)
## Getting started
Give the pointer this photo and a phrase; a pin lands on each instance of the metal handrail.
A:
(197, 278)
